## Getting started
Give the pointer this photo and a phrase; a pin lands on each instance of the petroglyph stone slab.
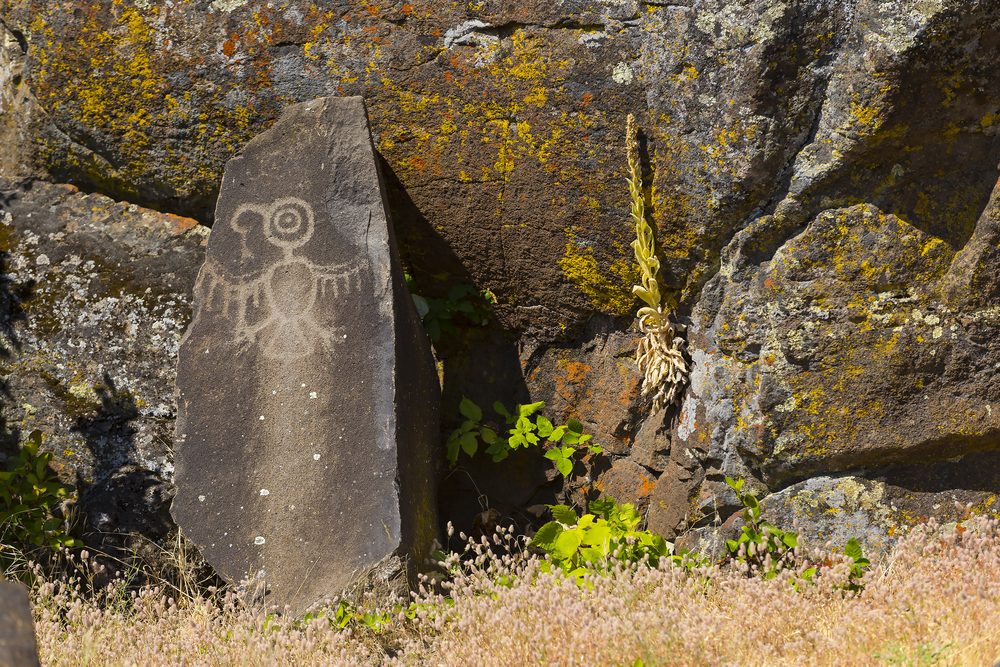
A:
(307, 393)
(17, 632)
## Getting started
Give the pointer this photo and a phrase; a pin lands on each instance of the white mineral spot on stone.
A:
(303, 384)
(265, 492)
(453, 36)
(228, 5)
(43, 260)
(261, 418)
(315, 457)
(259, 540)
(201, 499)
(312, 394)
(622, 74)
(937, 332)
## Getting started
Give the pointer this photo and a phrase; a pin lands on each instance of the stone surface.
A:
(17, 107)
(94, 297)
(17, 632)
(308, 398)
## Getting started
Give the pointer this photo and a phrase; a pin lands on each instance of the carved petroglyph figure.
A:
(275, 307)
(305, 382)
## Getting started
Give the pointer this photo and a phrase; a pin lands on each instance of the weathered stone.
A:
(626, 482)
(17, 107)
(308, 397)
(670, 502)
(94, 297)
(17, 632)
(878, 507)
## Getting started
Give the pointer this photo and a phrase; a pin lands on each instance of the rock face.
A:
(17, 632)
(94, 297)
(308, 399)
(822, 180)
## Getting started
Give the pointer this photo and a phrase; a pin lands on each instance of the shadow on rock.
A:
(126, 499)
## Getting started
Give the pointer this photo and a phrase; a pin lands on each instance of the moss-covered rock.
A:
(93, 300)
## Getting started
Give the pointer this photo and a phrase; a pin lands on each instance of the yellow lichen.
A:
(608, 290)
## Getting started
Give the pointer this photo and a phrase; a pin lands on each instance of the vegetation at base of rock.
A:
(464, 305)
(766, 550)
(33, 521)
(594, 542)
(660, 354)
(502, 607)
(524, 428)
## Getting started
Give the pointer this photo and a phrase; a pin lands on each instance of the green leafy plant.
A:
(521, 428)
(464, 305)
(767, 549)
(30, 496)
(582, 545)
(764, 547)
(859, 564)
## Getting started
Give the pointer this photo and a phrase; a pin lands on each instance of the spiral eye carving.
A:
(290, 223)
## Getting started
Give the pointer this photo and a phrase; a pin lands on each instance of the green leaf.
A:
(469, 444)
(546, 536)
(421, 305)
(553, 454)
(595, 449)
(574, 426)
(499, 408)
(488, 435)
(530, 408)
(599, 536)
(734, 484)
(470, 410)
(566, 544)
(564, 514)
(453, 445)
(853, 548)
(602, 506)
(790, 539)
(544, 426)
(557, 434)
(564, 466)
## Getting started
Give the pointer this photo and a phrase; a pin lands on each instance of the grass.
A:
(934, 600)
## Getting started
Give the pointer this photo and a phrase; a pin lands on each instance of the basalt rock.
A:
(307, 423)
(17, 632)
(94, 297)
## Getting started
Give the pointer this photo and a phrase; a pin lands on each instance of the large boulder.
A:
(307, 420)
(94, 298)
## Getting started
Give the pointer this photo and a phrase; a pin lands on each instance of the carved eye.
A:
(291, 223)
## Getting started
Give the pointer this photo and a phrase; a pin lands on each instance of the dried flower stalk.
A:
(660, 354)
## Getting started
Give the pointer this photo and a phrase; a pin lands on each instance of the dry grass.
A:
(934, 601)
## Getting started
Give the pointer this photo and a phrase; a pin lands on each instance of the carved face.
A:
(287, 223)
